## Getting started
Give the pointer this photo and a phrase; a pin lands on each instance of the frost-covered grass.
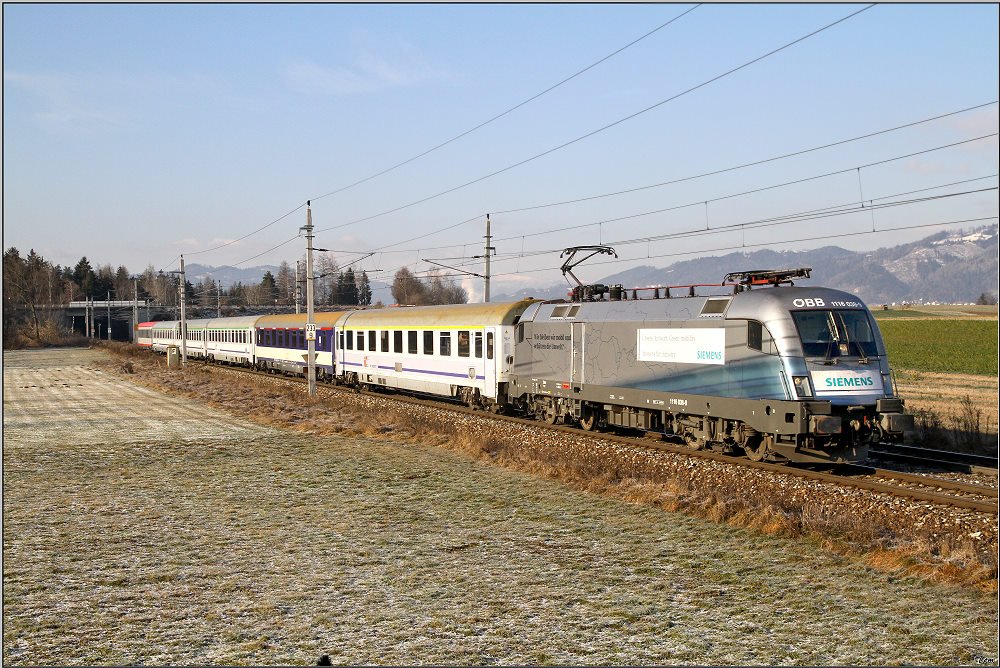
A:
(242, 544)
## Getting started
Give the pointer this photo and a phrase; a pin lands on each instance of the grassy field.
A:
(942, 345)
(936, 311)
(141, 528)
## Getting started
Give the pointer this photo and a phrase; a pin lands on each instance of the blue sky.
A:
(135, 133)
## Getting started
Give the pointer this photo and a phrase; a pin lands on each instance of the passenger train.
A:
(778, 372)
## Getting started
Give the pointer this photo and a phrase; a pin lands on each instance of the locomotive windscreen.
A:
(834, 333)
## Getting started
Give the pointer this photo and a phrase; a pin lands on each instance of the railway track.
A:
(905, 485)
(942, 459)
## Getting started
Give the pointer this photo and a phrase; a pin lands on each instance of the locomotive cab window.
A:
(758, 338)
(835, 333)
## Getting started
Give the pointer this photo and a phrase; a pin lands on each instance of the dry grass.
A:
(953, 411)
(939, 552)
(144, 528)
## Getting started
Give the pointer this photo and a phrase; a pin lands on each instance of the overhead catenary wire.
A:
(698, 202)
(767, 243)
(453, 139)
(798, 217)
(605, 127)
(675, 181)
(834, 208)
(510, 110)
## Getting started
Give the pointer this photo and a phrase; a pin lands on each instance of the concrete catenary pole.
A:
(109, 316)
(135, 309)
(488, 249)
(184, 348)
(310, 316)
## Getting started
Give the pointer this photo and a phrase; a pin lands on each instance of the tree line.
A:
(30, 281)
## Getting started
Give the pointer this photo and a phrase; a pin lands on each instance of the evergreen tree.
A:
(364, 290)
(350, 288)
(84, 276)
(268, 288)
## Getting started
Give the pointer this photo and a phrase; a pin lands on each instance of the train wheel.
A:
(547, 413)
(589, 420)
(757, 449)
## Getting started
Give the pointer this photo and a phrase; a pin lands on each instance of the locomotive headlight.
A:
(803, 388)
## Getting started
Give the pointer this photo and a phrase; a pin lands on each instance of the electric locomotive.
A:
(783, 373)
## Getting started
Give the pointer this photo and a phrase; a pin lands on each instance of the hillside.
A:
(945, 267)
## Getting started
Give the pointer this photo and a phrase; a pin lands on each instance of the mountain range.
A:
(949, 267)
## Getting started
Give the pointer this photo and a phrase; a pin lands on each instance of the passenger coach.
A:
(462, 350)
(282, 345)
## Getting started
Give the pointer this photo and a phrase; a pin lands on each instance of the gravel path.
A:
(142, 528)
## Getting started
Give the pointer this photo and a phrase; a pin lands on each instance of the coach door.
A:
(576, 368)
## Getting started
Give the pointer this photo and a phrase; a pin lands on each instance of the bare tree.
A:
(284, 282)
(407, 288)
(123, 283)
(326, 266)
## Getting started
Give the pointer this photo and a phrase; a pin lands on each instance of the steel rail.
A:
(841, 480)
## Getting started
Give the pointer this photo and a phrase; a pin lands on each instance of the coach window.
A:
(397, 341)
(478, 336)
(428, 343)
(361, 339)
(489, 345)
(350, 340)
(444, 344)
(463, 344)
(383, 341)
(411, 342)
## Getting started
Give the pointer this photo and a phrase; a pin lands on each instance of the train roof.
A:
(764, 304)
(239, 321)
(444, 316)
(298, 320)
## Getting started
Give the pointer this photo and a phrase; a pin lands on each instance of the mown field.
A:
(942, 345)
(145, 528)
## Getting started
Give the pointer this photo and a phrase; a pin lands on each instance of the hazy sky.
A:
(135, 133)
